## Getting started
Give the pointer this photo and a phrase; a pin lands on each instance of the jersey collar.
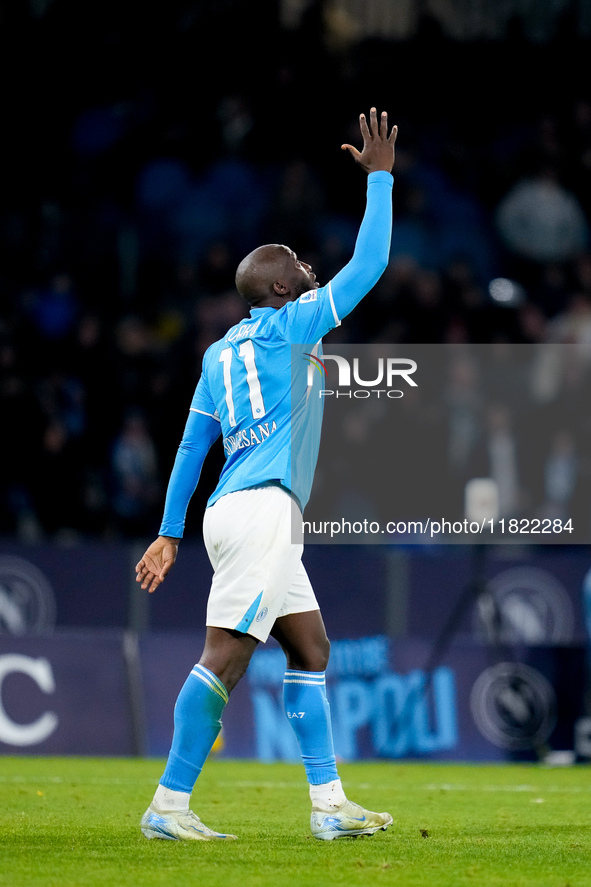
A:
(254, 311)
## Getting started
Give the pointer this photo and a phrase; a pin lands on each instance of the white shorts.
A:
(258, 571)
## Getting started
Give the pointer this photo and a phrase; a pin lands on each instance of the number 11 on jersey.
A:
(255, 395)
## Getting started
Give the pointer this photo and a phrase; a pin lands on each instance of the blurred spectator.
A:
(560, 476)
(412, 231)
(582, 273)
(579, 144)
(54, 309)
(135, 362)
(444, 219)
(217, 269)
(497, 456)
(574, 323)
(58, 487)
(22, 422)
(63, 400)
(214, 315)
(135, 477)
(531, 323)
(463, 407)
(426, 313)
(296, 209)
(552, 290)
(236, 123)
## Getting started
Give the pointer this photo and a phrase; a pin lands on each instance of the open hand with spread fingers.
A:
(378, 146)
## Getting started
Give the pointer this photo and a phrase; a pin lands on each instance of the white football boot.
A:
(348, 820)
(171, 825)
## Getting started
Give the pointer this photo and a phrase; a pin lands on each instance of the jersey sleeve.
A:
(317, 312)
(201, 430)
(202, 399)
(310, 317)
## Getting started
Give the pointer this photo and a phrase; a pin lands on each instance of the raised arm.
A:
(311, 315)
(372, 248)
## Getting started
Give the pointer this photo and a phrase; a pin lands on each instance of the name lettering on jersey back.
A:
(244, 331)
(248, 437)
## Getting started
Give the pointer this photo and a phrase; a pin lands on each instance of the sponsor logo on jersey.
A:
(311, 296)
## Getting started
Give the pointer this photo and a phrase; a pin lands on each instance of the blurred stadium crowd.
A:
(148, 149)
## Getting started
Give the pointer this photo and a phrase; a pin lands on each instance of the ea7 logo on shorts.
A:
(262, 614)
(296, 714)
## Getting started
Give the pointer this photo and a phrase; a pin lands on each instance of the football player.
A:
(255, 391)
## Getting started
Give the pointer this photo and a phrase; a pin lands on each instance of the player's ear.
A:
(280, 288)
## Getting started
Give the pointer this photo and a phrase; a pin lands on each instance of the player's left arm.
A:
(372, 247)
(200, 433)
(315, 313)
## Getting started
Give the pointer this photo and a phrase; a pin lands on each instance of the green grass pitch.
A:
(74, 822)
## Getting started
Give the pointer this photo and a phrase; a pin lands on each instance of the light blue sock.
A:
(306, 706)
(197, 715)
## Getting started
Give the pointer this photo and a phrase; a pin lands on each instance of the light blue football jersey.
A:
(257, 387)
(256, 382)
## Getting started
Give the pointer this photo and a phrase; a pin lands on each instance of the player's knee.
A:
(323, 654)
(234, 674)
(313, 658)
(227, 654)
(229, 672)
